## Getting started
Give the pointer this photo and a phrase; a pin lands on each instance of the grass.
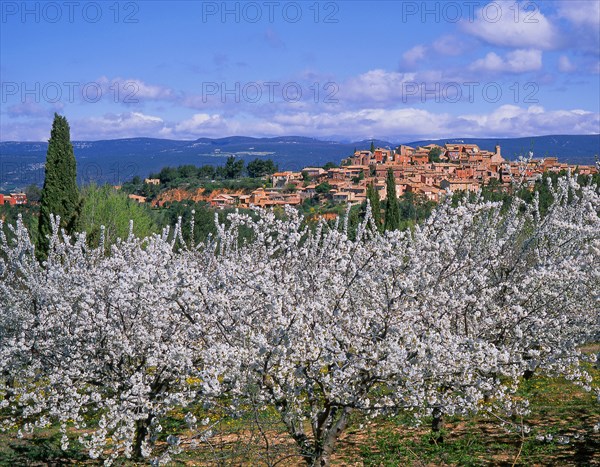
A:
(559, 411)
(41, 449)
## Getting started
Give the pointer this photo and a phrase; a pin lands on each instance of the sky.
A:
(343, 70)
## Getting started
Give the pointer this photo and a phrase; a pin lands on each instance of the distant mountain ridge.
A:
(114, 161)
(579, 149)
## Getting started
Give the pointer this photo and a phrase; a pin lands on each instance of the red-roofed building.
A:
(13, 199)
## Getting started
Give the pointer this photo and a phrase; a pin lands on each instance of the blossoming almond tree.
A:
(95, 334)
(440, 320)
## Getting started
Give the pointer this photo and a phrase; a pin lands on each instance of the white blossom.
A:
(447, 318)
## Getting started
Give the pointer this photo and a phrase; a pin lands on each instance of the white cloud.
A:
(517, 61)
(405, 123)
(448, 45)
(375, 86)
(511, 120)
(130, 90)
(32, 109)
(412, 56)
(123, 125)
(199, 123)
(565, 65)
(507, 23)
(31, 130)
(583, 31)
(393, 124)
(581, 12)
(491, 62)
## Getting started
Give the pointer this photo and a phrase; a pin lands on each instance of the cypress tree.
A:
(60, 195)
(372, 147)
(392, 209)
(373, 197)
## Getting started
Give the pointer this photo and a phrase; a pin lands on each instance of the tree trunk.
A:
(528, 374)
(437, 423)
(10, 384)
(322, 457)
(141, 431)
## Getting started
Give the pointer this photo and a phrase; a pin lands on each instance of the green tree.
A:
(105, 206)
(373, 197)
(233, 168)
(434, 154)
(204, 219)
(493, 191)
(29, 215)
(60, 195)
(407, 207)
(135, 185)
(289, 188)
(372, 147)
(168, 174)
(392, 210)
(330, 165)
(323, 188)
(259, 168)
(34, 193)
(206, 171)
(149, 191)
(188, 171)
(358, 178)
(354, 219)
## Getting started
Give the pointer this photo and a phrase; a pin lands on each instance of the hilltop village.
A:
(428, 172)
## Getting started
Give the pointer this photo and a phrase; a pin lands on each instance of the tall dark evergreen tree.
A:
(372, 147)
(392, 209)
(233, 168)
(60, 195)
(373, 197)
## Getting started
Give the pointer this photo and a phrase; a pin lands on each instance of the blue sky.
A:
(345, 70)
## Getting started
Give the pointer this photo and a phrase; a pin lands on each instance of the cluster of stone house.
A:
(460, 167)
(137, 198)
(261, 197)
(455, 167)
(13, 199)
